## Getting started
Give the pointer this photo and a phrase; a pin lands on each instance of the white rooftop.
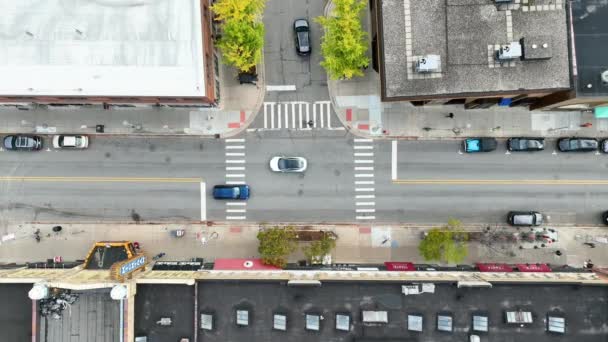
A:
(101, 48)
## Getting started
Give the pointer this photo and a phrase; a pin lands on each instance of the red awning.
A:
(399, 266)
(533, 268)
(242, 264)
(494, 268)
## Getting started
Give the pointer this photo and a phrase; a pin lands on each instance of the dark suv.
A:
(22, 142)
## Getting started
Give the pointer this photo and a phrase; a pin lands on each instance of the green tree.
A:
(344, 43)
(242, 38)
(446, 244)
(316, 250)
(276, 244)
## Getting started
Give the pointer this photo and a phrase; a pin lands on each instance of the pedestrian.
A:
(450, 115)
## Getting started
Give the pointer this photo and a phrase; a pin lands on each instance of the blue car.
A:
(472, 145)
(231, 192)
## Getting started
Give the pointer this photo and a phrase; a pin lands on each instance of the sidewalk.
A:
(356, 244)
(358, 106)
(237, 108)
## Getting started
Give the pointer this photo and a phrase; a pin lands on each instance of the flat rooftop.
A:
(584, 307)
(16, 315)
(591, 44)
(466, 35)
(153, 302)
(101, 48)
(94, 317)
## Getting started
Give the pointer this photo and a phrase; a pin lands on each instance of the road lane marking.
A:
(235, 168)
(364, 189)
(364, 140)
(290, 87)
(235, 154)
(235, 182)
(99, 179)
(364, 175)
(236, 210)
(235, 161)
(364, 154)
(364, 168)
(363, 147)
(394, 160)
(366, 217)
(366, 210)
(365, 203)
(235, 217)
(364, 161)
(364, 182)
(501, 182)
(235, 147)
(365, 196)
(235, 140)
(235, 175)
(237, 204)
(203, 201)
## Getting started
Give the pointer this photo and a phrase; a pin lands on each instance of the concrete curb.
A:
(308, 225)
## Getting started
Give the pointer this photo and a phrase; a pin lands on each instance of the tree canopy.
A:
(318, 249)
(276, 244)
(242, 37)
(447, 244)
(344, 43)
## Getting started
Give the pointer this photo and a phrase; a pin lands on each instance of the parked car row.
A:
(26, 142)
(530, 144)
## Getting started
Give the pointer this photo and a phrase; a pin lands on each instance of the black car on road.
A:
(525, 144)
(577, 144)
(22, 142)
(302, 34)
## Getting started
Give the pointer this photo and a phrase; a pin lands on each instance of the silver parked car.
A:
(71, 141)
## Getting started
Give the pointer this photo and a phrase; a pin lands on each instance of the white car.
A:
(288, 164)
(71, 141)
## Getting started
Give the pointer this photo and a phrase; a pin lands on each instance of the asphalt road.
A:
(159, 179)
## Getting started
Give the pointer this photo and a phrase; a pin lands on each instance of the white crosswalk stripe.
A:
(235, 154)
(364, 179)
(298, 115)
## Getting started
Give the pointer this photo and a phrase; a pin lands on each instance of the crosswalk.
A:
(235, 174)
(365, 197)
(298, 115)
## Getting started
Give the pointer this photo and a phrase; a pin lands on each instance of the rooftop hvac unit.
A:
(509, 52)
(428, 63)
